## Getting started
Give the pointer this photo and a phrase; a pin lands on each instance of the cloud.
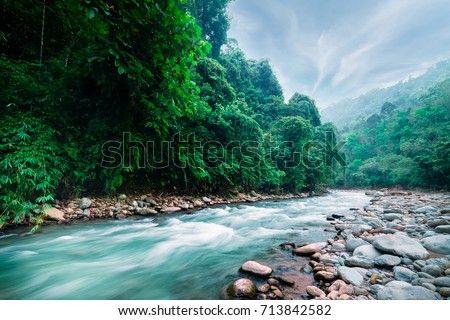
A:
(332, 49)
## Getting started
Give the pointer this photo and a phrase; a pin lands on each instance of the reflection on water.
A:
(179, 257)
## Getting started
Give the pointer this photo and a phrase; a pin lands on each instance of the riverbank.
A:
(395, 248)
(92, 209)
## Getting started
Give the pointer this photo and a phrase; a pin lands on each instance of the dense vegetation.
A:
(405, 148)
(405, 95)
(136, 94)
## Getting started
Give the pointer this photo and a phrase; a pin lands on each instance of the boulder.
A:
(368, 251)
(439, 244)
(242, 289)
(405, 293)
(54, 214)
(401, 246)
(256, 269)
(310, 248)
(85, 203)
(387, 260)
(350, 276)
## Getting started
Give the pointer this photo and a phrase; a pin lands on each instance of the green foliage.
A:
(30, 167)
(119, 81)
(403, 148)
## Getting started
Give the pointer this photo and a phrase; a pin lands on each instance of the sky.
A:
(335, 49)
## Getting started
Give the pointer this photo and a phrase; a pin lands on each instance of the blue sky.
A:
(333, 49)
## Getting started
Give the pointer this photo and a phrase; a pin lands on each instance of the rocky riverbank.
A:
(146, 205)
(395, 248)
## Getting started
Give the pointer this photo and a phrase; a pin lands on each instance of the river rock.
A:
(445, 292)
(398, 284)
(85, 203)
(426, 209)
(401, 246)
(392, 210)
(197, 203)
(310, 248)
(151, 201)
(350, 276)
(264, 288)
(387, 260)
(257, 269)
(147, 212)
(443, 229)
(404, 274)
(325, 276)
(368, 251)
(359, 261)
(432, 270)
(392, 217)
(54, 214)
(406, 293)
(439, 244)
(122, 197)
(336, 285)
(315, 292)
(206, 200)
(354, 243)
(442, 281)
(170, 209)
(437, 223)
(242, 289)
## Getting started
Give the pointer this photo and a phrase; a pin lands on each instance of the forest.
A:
(106, 97)
(406, 147)
(100, 97)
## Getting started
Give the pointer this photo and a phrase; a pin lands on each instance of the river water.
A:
(186, 256)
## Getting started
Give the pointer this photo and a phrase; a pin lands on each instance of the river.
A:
(185, 256)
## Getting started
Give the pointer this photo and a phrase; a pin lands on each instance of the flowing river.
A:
(185, 256)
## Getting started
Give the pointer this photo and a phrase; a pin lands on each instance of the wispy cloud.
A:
(333, 49)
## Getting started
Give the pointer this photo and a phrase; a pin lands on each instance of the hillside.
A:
(403, 95)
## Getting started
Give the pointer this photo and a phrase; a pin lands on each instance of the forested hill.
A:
(404, 95)
(98, 97)
(403, 148)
